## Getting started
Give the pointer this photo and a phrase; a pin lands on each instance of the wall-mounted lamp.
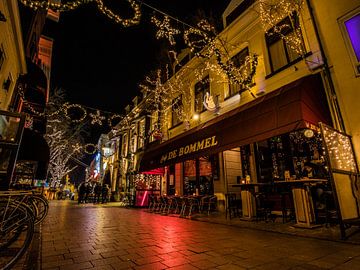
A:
(196, 116)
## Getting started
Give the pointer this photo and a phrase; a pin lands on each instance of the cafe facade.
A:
(263, 133)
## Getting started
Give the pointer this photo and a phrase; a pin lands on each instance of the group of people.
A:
(96, 193)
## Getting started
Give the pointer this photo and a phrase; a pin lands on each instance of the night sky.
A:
(100, 63)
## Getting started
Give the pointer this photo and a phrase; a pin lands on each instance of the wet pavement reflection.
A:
(95, 237)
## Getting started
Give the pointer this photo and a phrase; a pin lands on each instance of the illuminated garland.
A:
(90, 151)
(46, 4)
(124, 22)
(165, 29)
(273, 12)
(67, 107)
(112, 118)
(340, 150)
(96, 118)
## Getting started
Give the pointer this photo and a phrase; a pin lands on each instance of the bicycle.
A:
(17, 221)
(19, 212)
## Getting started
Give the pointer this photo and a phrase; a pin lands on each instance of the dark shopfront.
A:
(275, 135)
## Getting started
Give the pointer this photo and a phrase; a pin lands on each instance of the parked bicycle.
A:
(19, 212)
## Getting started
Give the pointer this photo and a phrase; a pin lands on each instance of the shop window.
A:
(290, 154)
(141, 135)
(350, 25)
(176, 111)
(238, 60)
(200, 90)
(199, 175)
(2, 56)
(280, 53)
(171, 181)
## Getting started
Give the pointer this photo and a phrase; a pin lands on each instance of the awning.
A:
(34, 147)
(294, 106)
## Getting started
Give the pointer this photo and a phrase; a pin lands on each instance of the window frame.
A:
(199, 87)
(349, 46)
(235, 89)
(272, 38)
(174, 116)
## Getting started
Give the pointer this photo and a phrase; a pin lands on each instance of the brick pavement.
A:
(87, 237)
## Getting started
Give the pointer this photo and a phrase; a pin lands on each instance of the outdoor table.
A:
(248, 200)
(303, 202)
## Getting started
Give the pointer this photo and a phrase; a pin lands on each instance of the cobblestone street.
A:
(95, 237)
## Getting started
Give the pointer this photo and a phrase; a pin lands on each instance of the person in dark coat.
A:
(88, 191)
(105, 191)
(97, 191)
(81, 192)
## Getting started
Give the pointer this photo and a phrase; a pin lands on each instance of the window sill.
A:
(288, 65)
(178, 124)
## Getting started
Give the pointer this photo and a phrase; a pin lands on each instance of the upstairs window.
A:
(141, 135)
(200, 90)
(350, 26)
(154, 125)
(280, 52)
(238, 60)
(176, 111)
(124, 145)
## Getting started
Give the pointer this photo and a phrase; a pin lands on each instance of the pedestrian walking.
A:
(81, 192)
(105, 191)
(98, 192)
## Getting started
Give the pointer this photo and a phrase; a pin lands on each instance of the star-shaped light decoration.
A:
(97, 118)
(165, 30)
(76, 148)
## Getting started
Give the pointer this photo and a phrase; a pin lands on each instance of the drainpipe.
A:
(338, 121)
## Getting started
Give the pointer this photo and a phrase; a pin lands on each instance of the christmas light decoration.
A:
(56, 6)
(340, 150)
(273, 12)
(90, 148)
(124, 22)
(165, 30)
(68, 107)
(96, 118)
(114, 118)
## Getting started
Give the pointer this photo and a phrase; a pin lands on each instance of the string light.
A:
(165, 30)
(56, 6)
(90, 148)
(113, 118)
(272, 13)
(340, 150)
(124, 22)
(97, 118)
(68, 107)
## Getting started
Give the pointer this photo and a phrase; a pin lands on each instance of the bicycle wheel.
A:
(42, 207)
(16, 231)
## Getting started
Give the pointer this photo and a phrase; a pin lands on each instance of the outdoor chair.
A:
(232, 208)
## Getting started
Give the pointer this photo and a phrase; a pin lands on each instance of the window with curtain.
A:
(154, 124)
(238, 60)
(141, 135)
(280, 53)
(176, 111)
(201, 88)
